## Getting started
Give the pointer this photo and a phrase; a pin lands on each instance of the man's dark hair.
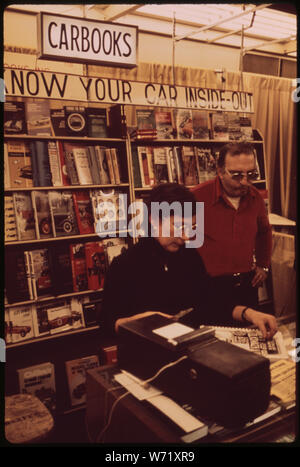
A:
(234, 149)
(170, 193)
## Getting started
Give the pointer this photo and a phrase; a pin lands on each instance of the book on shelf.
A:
(18, 163)
(20, 323)
(58, 120)
(63, 167)
(164, 124)
(117, 121)
(143, 134)
(206, 164)
(77, 317)
(201, 125)
(76, 122)
(82, 165)
(234, 127)
(59, 316)
(62, 213)
(14, 118)
(251, 339)
(95, 264)
(93, 163)
(39, 264)
(102, 165)
(78, 263)
(144, 165)
(178, 163)
(136, 168)
(172, 169)
(29, 274)
(16, 279)
(55, 163)
(110, 166)
(38, 118)
(61, 268)
(76, 377)
(39, 380)
(96, 122)
(109, 210)
(92, 312)
(184, 123)
(10, 223)
(24, 215)
(220, 126)
(116, 165)
(246, 128)
(114, 247)
(160, 164)
(83, 210)
(40, 163)
(189, 167)
(71, 168)
(145, 119)
(40, 318)
(42, 214)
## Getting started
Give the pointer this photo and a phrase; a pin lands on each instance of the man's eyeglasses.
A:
(238, 176)
(188, 230)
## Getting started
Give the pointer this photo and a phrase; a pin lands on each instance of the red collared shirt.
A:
(232, 236)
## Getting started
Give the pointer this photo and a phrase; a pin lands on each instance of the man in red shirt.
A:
(237, 234)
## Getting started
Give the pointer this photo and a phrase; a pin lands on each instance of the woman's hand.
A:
(139, 315)
(265, 322)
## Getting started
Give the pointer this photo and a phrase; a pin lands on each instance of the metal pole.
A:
(173, 51)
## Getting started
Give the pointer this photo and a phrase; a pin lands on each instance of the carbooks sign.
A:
(44, 84)
(84, 40)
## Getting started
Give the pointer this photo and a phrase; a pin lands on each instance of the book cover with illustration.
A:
(145, 119)
(76, 377)
(14, 118)
(16, 278)
(220, 126)
(18, 161)
(78, 263)
(82, 165)
(200, 124)
(62, 213)
(189, 165)
(184, 123)
(164, 124)
(24, 215)
(76, 123)
(41, 274)
(41, 206)
(38, 118)
(96, 122)
(20, 323)
(95, 264)
(39, 380)
(84, 212)
(160, 164)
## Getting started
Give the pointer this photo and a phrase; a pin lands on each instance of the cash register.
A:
(220, 381)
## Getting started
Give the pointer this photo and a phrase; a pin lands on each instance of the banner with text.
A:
(31, 83)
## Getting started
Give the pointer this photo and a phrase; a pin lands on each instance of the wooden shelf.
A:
(65, 187)
(66, 138)
(52, 297)
(66, 237)
(51, 336)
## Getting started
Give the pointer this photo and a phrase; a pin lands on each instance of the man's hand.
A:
(259, 277)
(265, 322)
(139, 315)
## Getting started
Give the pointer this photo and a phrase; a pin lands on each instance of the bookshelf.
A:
(87, 339)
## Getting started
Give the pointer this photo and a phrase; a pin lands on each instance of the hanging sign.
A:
(30, 83)
(69, 38)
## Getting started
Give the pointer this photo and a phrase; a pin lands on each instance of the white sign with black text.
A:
(84, 40)
(43, 84)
